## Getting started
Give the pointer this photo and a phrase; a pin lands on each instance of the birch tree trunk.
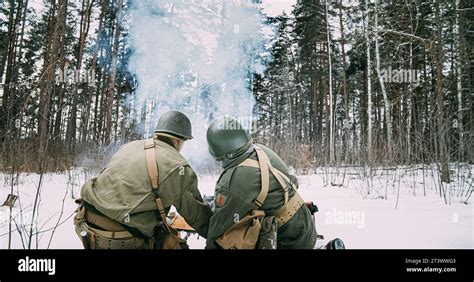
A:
(344, 85)
(410, 90)
(459, 63)
(331, 102)
(387, 106)
(369, 87)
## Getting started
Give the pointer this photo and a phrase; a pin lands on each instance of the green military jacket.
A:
(236, 192)
(123, 190)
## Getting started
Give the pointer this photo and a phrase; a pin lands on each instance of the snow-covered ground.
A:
(394, 215)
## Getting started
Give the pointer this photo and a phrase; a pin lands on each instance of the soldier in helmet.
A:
(254, 179)
(125, 206)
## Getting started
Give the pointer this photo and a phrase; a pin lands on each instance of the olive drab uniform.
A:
(241, 191)
(120, 207)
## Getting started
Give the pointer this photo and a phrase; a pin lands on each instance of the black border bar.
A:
(291, 265)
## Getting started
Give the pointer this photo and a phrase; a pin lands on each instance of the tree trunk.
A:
(369, 86)
(410, 91)
(111, 85)
(331, 103)
(61, 87)
(441, 126)
(459, 89)
(345, 88)
(48, 80)
(10, 34)
(10, 76)
(83, 31)
(94, 87)
(387, 106)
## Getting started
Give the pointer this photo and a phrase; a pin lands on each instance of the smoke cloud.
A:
(197, 57)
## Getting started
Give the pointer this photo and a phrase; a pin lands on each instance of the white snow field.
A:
(364, 221)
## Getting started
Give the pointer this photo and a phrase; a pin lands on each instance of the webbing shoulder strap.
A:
(254, 163)
(264, 175)
(154, 175)
(281, 181)
(265, 166)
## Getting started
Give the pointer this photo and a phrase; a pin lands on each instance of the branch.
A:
(59, 219)
(407, 35)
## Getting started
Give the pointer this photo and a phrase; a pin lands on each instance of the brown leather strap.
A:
(151, 163)
(154, 175)
(264, 175)
(162, 211)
